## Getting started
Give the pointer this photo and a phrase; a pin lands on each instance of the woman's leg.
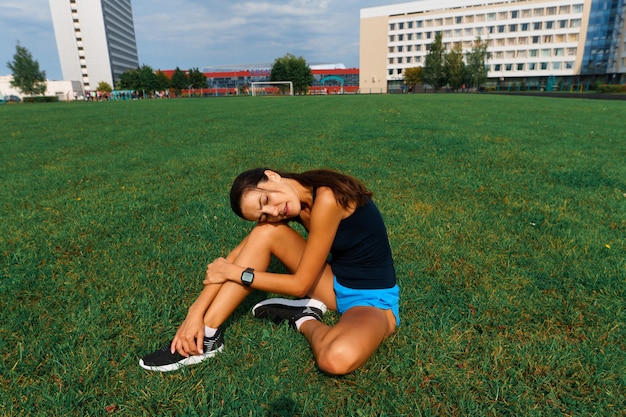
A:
(346, 346)
(256, 251)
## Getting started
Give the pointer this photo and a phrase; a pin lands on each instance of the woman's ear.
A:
(271, 175)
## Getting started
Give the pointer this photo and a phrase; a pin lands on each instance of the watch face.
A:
(247, 277)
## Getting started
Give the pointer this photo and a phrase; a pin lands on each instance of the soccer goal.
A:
(269, 88)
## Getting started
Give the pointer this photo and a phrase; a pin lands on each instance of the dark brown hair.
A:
(348, 190)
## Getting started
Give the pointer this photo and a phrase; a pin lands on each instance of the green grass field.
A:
(507, 217)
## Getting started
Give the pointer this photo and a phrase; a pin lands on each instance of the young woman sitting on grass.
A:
(358, 280)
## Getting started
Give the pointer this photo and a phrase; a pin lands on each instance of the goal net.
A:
(272, 88)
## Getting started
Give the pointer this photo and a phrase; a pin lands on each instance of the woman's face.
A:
(272, 201)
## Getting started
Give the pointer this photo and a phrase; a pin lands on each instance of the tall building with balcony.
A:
(529, 41)
(95, 40)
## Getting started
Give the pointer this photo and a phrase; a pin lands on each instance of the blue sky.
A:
(203, 33)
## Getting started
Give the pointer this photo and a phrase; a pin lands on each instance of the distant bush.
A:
(612, 88)
(41, 99)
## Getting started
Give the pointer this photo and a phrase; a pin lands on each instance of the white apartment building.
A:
(529, 41)
(95, 40)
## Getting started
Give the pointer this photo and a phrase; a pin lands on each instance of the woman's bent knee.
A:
(338, 359)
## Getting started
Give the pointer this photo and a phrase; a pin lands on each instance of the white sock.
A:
(302, 320)
(209, 331)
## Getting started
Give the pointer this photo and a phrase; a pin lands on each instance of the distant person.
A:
(358, 280)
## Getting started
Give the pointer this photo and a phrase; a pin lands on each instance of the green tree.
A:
(476, 63)
(197, 79)
(163, 80)
(104, 87)
(129, 80)
(454, 67)
(180, 81)
(296, 70)
(413, 76)
(148, 80)
(26, 74)
(433, 71)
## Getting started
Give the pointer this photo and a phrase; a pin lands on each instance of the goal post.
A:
(268, 87)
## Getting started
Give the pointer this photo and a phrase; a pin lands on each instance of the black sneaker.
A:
(279, 310)
(164, 360)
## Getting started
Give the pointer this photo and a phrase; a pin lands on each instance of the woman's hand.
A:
(189, 338)
(217, 272)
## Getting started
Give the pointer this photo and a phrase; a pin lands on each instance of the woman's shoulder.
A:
(325, 197)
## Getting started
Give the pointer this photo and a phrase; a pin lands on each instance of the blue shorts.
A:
(385, 299)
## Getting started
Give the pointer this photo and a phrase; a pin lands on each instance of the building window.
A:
(400, 26)
(392, 26)
(545, 52)
(575, 23)
(533, 52)
(392, 49)
(409, 25)
(419, 23)
(491, 17)
(400, 38)
(524, 27)
(538, 12)
(409, 37)
(508, 67)
(559, 52)
(563, 24)
(551, 11)
(520, 67)
(570, 65)
(544, 66)
(535, 39)
(522, 54)
(408, 59)
(577, 8)
(501, 28)
(392, 38)
(550, 24)
(390, 61)
(400, 48)
(532, 66)
(409, 48)
(547, 39)
(459, 20)
(512, 28)
(537, 26)
(497, 67)
(526, 13)
(399, 60)
(514, 14)
(556, 65)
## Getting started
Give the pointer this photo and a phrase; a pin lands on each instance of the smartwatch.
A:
(247, 276)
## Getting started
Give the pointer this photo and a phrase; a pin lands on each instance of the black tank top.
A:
(361, 257)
